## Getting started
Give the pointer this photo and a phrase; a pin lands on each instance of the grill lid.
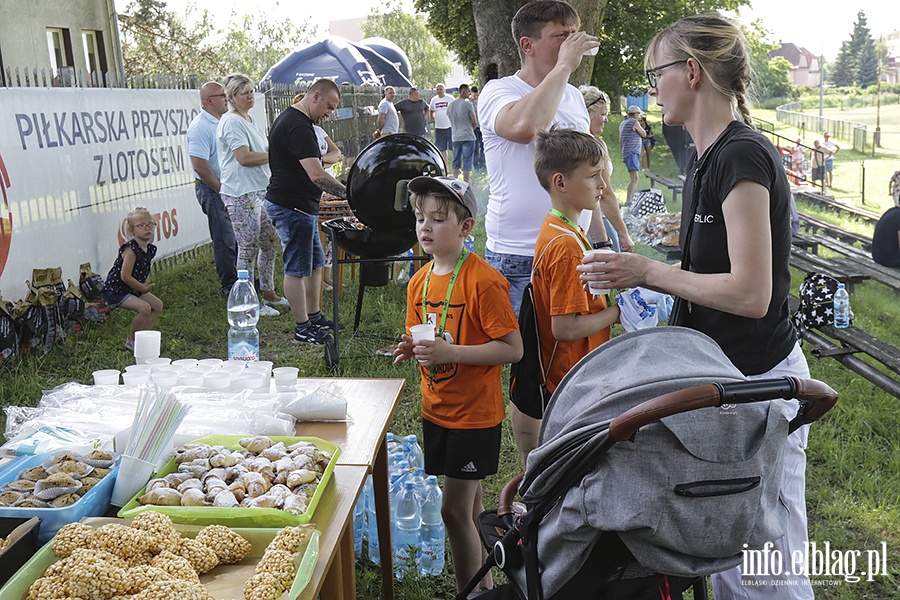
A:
(376, 185)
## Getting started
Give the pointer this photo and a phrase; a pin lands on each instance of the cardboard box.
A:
(94, 503)
(238, 517)
(225, 582)
(22, 535)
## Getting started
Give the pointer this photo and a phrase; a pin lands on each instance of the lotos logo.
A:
(167, 226)
(5, 217)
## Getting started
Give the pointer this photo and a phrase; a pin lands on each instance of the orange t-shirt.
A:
(464, 396)
(559, 291)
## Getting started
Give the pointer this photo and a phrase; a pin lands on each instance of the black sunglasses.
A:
(652, 74)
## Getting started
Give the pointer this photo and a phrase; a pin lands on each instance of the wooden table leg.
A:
(333, 584)
(383, 518)
(348, 569)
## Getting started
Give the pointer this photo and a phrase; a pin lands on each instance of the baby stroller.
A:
(698, 483)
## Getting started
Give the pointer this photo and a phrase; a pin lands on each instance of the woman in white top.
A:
(243, 150)
(597, 103)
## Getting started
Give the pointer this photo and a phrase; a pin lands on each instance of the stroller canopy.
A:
(687, 493)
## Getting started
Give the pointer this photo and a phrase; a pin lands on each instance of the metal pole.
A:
(867, 371)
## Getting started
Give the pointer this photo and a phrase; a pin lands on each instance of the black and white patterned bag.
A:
(645, 202)
(816, 301)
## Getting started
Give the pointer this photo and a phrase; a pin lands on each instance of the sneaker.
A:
(267, 311)
(320, 321)
(282, 301)
(311, 334)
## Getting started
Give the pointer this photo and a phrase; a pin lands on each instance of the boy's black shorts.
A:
(461, 453)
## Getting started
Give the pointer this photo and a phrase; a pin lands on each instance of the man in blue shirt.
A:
(201, 136)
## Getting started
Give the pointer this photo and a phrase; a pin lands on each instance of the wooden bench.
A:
(855, 258)
(845, 344)
(807, 242)
(814, 225)
(677, 187)
(849, 275)
(830, 202)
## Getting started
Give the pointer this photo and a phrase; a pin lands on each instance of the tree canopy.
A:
(429, 59)
(857, 61)
(156, 40)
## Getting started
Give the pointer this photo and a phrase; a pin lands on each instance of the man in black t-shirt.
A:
(413, 111)
(886, 239)
(292, 203)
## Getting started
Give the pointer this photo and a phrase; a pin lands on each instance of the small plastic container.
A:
(209, 362)
(187, 363)
(139, 369)
(252, 381)
(106, 377)
(158, 361)
(135, 378)
(165, 379)
(191, 378)
(220, 382)
(285, 377)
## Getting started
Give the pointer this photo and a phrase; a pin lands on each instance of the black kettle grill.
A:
(384, 224)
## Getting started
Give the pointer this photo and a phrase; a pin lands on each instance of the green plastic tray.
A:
(18, 584)
(237, 517)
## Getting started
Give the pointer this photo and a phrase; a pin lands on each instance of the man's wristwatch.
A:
(603, 244)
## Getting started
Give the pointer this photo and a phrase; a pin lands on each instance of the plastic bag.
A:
(320, 402)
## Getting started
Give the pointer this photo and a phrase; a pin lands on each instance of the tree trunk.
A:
(499, 56)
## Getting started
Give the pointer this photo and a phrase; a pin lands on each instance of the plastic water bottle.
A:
(408, 522)
(415, 455)
(360, 515)
(418, 479)
(371, 521)
(432, 561)
(841, 307)
(243, 314)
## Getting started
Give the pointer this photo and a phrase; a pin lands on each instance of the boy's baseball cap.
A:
(457, 187)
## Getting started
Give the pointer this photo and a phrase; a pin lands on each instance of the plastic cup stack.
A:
(285, 377)
(133, 474)
(146, 345)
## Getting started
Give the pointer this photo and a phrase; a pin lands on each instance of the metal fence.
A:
(850, 131)
(70, 77)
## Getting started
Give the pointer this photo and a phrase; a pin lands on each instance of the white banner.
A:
(74, 162)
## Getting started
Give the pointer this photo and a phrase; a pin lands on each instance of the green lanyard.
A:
(446, 308)
(574, 226)
(443, 322)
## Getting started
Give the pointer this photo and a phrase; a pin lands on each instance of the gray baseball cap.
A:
(457, 187)
(634, 110)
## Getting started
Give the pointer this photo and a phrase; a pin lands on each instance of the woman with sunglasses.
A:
(243, 151)
(734, 280)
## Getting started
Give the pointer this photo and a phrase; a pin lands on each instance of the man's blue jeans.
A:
(222, 234)
(517, 271)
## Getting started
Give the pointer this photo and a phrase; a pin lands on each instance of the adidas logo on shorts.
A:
(469, 468)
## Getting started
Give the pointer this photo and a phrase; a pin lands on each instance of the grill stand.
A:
(333, 348)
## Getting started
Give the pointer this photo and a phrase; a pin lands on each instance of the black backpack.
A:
(816, 301)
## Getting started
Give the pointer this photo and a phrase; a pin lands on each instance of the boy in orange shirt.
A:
(476, 333)
(571, 322)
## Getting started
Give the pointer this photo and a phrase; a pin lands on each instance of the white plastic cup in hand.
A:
(285, 376)
(425, 331)
(134, 473)
(106, 377)
(596, 288)
(146, 343)
(591, 51)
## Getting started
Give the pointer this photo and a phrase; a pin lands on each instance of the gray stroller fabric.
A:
(631, 489)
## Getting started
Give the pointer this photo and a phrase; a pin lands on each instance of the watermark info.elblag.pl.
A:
(816, 561)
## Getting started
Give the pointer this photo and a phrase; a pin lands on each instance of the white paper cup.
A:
(165, 379)
(106, 377)
(285, 376)
(267, 364)
(134, 473)
(146, 343)
(186, 363)
(209, 362)
(424, 331)
(595, 288)
(217, 381)
(135, 378)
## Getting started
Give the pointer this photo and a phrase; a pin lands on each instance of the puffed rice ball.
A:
(279, 563)
(262, 586)
(143, 576)
(47, 588)
(161, 529)
(175, 590)
(228, 545)
(176, 566)
(289, 538)
(201, 557)
(121, 540)
(96, 581)
(71, 537)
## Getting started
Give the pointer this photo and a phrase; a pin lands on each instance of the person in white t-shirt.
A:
(438, 108)
(388, 122)
(511, 111)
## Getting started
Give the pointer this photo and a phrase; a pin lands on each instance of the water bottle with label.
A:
(841, 307)
(408, 527)
(432, 561)
(415, 455)
(371, 522)
(243, 314)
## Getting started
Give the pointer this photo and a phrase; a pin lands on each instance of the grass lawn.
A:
(853, 476)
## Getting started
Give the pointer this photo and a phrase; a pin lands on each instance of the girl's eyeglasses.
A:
(653, 74)
(145, 226)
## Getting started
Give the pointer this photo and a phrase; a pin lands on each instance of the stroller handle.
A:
(816, 398)
(504, 501)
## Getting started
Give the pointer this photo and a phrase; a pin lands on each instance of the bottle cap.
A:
(243, 274)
